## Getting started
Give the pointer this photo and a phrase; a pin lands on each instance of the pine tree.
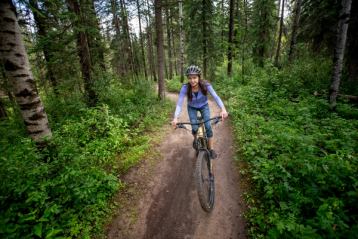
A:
(202, 35)
(230, 38)
(296, 20)
(263, 27)
(42, 31)
(83, 49)
(141, 40)
(181, 41)
(160, 48)
(169, 43)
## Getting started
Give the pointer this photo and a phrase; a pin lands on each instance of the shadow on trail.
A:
(172, 214)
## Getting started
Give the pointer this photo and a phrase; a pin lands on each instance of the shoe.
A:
(213, 154)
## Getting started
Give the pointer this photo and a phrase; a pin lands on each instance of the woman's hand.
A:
(174, 123)
(224, 114)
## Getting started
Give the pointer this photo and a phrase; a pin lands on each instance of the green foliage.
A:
(63, 190)
(319, 22)
(174, 85)
(302, 158)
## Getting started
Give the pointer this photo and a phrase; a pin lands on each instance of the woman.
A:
(196, 90)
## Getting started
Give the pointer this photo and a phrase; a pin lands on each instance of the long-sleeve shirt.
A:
(198, 100)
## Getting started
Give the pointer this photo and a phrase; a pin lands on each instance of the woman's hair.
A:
(202, 85)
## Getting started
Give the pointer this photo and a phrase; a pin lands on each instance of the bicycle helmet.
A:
(193, 70)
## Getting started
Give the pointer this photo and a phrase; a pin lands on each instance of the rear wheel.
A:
(205, 181)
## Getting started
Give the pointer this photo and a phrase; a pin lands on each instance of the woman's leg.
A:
(210, 143)
(205, 113)
(192, 112)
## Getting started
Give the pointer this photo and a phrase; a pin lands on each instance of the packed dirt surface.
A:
(161, 201)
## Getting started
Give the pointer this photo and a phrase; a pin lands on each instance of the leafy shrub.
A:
(174, 85)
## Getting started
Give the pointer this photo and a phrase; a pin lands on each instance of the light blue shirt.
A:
(197, 101)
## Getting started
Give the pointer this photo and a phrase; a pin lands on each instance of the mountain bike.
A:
(204, 175)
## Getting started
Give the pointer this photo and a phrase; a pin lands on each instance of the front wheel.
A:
(205, 181)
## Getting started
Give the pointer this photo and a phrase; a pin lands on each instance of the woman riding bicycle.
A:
(196, 91)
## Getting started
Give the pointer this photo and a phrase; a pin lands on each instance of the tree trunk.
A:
(237, 20)
(128, 42)
(141, 41)
(342, 29)
(243, 43)
(352, 45)
(262, 49)
(230, 40)
(223, 23)
(3, 114)
(17, 67)
(277, 21)
(84, 54)
(296, 20)
(40, 21)
(115, 21)
(205, 38)
(280, 33)
(95, 38)
(150, 46)
(160, 50)
(170, 63)
(175, 55)
(181, 40)
(116, 44)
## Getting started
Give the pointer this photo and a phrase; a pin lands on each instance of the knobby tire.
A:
(205, 186)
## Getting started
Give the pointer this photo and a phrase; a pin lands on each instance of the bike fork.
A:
(210, 166)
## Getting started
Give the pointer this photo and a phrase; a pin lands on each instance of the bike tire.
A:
(205, 181)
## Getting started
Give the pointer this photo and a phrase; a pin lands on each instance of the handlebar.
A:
(216, 119)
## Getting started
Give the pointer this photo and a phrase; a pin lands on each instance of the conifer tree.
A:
(263, 27)
(160, 48)
(202, 35)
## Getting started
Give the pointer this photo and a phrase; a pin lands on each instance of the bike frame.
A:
(201, 138)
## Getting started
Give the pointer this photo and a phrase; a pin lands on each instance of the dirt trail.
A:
(161, 200)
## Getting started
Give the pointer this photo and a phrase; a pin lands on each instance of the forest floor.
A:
(160, 199)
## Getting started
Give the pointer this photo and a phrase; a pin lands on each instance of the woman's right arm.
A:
(179, 104)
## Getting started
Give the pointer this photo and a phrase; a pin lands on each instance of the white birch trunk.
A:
(342, 29)
(14, 57)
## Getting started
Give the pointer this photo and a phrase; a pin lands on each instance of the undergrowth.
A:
(63, 190)
(174, 85)
(302, 158)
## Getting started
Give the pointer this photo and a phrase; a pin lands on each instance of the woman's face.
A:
(193, 80)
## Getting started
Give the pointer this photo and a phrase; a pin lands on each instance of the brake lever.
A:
(217, 120)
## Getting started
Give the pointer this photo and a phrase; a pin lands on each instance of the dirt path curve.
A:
(161, 200)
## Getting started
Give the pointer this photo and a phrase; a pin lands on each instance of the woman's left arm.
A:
(218, 101)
